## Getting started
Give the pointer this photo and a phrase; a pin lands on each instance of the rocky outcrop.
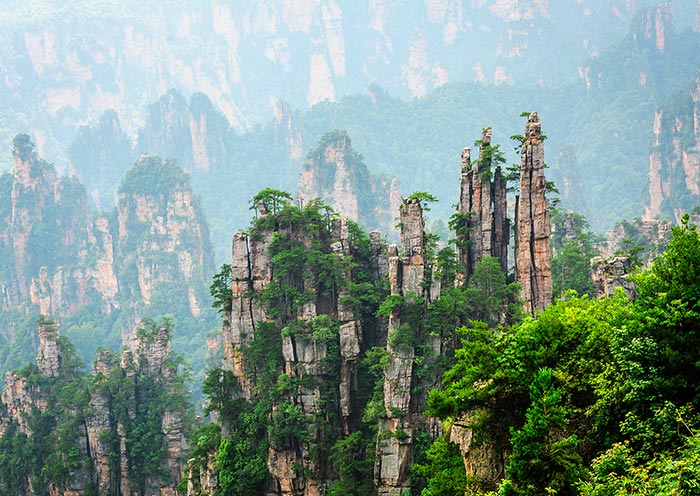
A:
(674, 161)
(316, 333)
(406, 274)
(337, 174)
(610, 274)
(105, 431)
(162, 236)
(403, 401)
(645, 239)
(63, 260)
(61, 257)
(251, 272)
(533, 254)
(483, 229)
(48, 357)
(485, 460)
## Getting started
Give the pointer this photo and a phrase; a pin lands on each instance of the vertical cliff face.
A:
(59, 257)
(122, 433)
(162, 237)
(674, 162)
(291, 281)
(336, 174)
(533, 253)
(483, 227)
(62, 260)
(407, 269)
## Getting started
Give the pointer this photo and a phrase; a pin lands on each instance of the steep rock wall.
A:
(533, 254)
(482, 204)
(674, 161)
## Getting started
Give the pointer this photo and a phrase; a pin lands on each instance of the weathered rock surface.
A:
(533, 254)
(485, 461)
(610, 274)
(674, 162)
(482, 201)
(403, 404)
(98, 430)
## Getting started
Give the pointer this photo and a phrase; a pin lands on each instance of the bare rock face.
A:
(485, 461)
(98, 421)
(674, 162)
(533, 254)
(48, 357)
(337, 174)
(407, 270)
(610, 274)
(251, 272)
(482, 205)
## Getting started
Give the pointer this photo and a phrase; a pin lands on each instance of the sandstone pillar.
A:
(533, 253)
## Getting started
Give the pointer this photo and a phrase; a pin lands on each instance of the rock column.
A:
(406, 274)
(533, 253)
(482, 205)
(350, 334)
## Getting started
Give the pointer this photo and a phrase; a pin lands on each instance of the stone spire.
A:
(482, 205)
(48, 356)
(533, 253)
(405, 382)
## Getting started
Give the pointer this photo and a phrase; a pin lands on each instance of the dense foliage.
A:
(307, 270)
(49, 448)
(595, 397)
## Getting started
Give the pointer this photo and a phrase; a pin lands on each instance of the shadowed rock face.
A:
(533, 253)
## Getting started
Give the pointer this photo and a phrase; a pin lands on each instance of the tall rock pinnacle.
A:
(482, 205)
(533, 253)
